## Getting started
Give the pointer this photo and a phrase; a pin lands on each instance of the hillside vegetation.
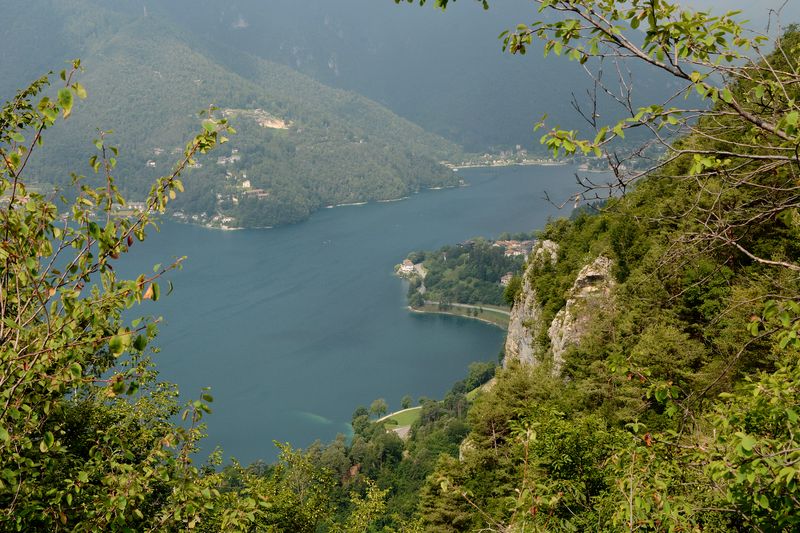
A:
(147, 80)
(467, 273)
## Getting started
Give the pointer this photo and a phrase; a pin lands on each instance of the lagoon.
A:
(295, 327)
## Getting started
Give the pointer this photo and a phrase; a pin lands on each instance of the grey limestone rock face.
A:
(589, 295)
(525, 322)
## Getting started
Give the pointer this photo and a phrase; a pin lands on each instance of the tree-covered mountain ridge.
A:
(147, 80)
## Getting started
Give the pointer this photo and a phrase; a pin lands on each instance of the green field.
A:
(403, 418)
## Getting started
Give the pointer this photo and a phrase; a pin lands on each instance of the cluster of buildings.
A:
(514, 248)
(259, 194)
(231, 159)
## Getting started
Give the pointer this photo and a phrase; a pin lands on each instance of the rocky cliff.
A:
(525, 323)
(590, 294)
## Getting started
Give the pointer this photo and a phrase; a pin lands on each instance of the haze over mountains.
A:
(301, 145)
(152, 65)
(443, 70)
(650, 374)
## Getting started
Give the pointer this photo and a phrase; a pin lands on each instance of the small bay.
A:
(294, 327)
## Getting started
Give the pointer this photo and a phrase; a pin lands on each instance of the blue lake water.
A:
(295, 327)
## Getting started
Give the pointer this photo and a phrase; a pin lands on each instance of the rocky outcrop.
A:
(589, 296)
(465, 448)
(525, 323)
(544, 251)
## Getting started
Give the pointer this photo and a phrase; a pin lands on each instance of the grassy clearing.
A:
(405, 417)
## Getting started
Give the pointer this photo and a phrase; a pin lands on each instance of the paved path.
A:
(468, 306)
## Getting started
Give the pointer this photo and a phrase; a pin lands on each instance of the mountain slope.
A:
(444, 71)
(301, 145)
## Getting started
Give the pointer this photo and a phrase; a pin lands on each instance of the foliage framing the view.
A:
(85, 435)
(88, 439)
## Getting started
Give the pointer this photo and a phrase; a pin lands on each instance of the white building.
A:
(407, 267)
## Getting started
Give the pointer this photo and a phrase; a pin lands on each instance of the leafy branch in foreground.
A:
(668, 415)
(86, 441)
(88, 438)
(742, 150)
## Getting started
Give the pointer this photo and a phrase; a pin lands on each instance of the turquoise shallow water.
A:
(295, 327)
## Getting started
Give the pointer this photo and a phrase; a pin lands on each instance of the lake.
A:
(295, 327)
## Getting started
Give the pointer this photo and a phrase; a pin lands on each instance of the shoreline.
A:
(508, 164)
(443, 312)
(210, 226)
(393, 200)
(332, 206)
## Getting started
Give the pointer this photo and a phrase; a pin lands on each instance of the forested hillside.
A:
(300, 145)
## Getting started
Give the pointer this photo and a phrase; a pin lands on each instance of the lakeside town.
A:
(236, 186)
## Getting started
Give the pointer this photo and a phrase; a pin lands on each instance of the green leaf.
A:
(116, 345)
(763, 501)
(726, 95)
(65, 101)
(4, 436)
(140, 342)
(79, 90)
(747, 442)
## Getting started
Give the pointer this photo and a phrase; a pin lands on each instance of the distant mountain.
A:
(300, 145)
(444, 71)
